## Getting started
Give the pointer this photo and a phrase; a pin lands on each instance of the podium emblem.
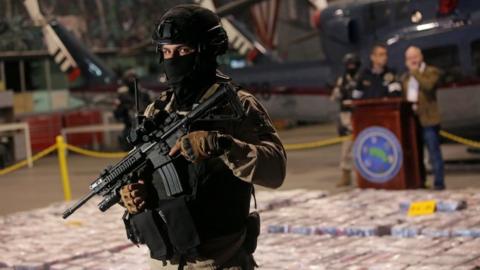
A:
(378, 154)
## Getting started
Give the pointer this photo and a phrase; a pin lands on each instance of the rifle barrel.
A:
(77, 205)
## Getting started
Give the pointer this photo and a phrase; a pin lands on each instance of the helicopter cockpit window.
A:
(476, 56)
(378, 15)
(447, 59)
(401, 11)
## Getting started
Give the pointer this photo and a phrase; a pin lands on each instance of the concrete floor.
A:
(310, 169)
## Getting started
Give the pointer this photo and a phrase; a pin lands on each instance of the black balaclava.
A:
(352, 70)
(190, 75)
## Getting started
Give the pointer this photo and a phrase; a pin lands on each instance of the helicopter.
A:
(445, 30)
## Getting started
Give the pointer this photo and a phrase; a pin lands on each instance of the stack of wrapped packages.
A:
(371, 229)
(360, 229)
(89, 239)
(379, 213)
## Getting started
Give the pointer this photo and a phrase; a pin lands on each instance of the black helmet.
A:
(351, 58)
(193, 25)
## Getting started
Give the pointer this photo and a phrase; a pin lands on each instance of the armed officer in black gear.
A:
(125, 105)
(378, 80)
(343, 93)
(221, 160)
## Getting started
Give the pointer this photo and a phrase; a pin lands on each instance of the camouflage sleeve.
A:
(150, 110)
(257, 154)
(336, 93)
(358, 92)
(158, 104)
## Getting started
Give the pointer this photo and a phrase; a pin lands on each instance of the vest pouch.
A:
(132, 232)
(253, 231)
(180, 226)
(152, 231)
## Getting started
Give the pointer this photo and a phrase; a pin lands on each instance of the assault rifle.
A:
(153, 142)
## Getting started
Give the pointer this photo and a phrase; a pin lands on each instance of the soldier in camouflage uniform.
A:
(224, 158)
(343, 92)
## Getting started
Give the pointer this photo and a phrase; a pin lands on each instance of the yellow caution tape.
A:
(296, 146)
(291, 147)
(95, 154)
(332, 141)
(23, 163)
(316, 144)
(460, 140)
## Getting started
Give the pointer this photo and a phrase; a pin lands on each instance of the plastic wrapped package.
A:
(316, 267)
(451, 260)
(271, 200)
(362, 230)
(429, 267)
(466, 267)
(471, 232)
(466, 227)
(451, 205)
(444, 225)
(475, 261)
(350, 259)
(326, 229)
(357, 267)
(436, 232)
(330, 258)
(59, 267)
(471, 243)
(406, 230)
(406, 258)
(40, 239)
(373, 213)
(301, 229)
(333, 232)
(375, 257)
(388, 266)
(30, 266)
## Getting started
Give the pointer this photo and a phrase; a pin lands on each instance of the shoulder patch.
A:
(158, 104)
(243, 94)
(388, 77)
(339, 81)
(162, 100)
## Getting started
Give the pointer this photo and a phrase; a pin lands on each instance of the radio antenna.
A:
(138, 116)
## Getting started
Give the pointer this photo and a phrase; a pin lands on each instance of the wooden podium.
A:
(386, 148)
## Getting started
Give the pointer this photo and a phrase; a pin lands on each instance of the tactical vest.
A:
(216, 203)
(348, 85)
